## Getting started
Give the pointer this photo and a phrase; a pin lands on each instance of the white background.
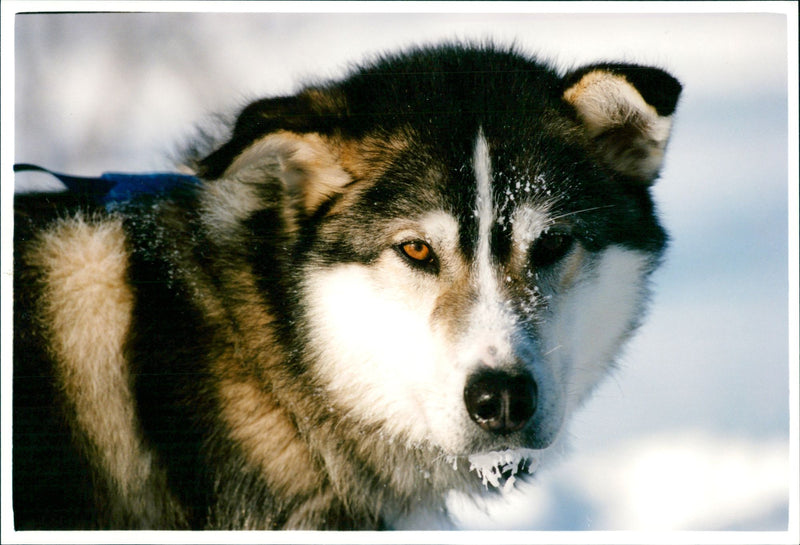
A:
(692, 433)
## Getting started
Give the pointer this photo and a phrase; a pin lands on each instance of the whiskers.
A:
(557, 347)
(554, 219)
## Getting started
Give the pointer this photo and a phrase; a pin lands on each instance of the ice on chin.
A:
(498, 466)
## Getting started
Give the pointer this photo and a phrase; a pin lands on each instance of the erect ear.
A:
(626, 110)
(295, 140)
(307, 165)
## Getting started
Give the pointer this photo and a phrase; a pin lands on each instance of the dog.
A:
(380, 290)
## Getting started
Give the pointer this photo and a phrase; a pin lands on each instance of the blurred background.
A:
(692, 432)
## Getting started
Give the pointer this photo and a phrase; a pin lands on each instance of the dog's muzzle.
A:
(500, 402)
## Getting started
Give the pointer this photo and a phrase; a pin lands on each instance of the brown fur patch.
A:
(453, 306)
(87, 306)
(369, 158)
(253, 414)
(268, 438)
(572, 267)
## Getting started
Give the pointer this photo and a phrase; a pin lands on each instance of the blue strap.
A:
(113, 188)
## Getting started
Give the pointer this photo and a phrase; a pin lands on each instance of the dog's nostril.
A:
(488, 405)
(500, 402)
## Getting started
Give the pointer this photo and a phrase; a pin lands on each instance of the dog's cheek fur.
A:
(590, 320)
(373, 343)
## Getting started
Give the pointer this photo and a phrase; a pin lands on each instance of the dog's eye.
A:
(549, 248)
(419, 254)
(416, 250)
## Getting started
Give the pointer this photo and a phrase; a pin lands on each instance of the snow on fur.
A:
(494, 467)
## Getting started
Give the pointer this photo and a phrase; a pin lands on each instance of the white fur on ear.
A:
(630, 133)
(307, 164)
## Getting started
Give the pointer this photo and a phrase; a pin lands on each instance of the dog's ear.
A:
(293, 139)
(626, 111)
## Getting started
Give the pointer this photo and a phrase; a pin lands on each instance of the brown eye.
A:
(419, 255)
(417, 250)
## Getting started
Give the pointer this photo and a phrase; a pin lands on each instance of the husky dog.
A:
(380, 290)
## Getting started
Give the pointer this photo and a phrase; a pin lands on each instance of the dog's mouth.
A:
(502, 468)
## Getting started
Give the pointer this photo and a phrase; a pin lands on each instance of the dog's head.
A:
(469, 234)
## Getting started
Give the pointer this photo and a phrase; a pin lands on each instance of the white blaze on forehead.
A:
(484, 207)
(491, 324)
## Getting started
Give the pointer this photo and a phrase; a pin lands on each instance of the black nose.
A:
(500, 402)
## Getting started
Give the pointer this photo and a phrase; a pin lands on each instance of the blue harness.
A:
(112, 189)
